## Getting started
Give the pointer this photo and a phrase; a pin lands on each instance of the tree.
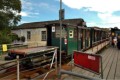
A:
(9, 13)
(4, 37)
(9, 16)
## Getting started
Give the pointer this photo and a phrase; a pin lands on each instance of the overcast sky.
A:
(101, 13)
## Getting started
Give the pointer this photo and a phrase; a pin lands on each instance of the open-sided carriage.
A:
(34, 56)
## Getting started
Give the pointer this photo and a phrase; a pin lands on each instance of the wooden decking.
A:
(111, 66)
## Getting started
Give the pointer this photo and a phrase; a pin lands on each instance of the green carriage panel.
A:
(56, 38)
(72, 40)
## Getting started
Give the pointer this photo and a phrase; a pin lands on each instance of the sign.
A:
(4, 47)
(87, 61)
(53, 29)
(65, 41)
(61, 14)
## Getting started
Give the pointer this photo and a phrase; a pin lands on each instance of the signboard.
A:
(61, 14)
(87, 61)
(4, 47)
(53, 29)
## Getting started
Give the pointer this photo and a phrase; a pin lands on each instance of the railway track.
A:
(38, 65)
(25, 74)
(32, 65)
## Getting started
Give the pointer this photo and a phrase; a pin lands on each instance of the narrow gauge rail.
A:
(32, 61)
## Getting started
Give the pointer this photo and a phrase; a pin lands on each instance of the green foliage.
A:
(5, 40)
(4, 37)
(13, 36)
(9, 13)
(18, 39)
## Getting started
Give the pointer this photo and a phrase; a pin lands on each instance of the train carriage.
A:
(33, 56)
(74, 37)
(83, 38)
(69, 36)
(98, 35)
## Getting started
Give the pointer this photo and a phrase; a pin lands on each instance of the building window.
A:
(43, 33)
(28, 35)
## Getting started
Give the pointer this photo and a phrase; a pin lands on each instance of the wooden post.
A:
(72, 62)
(97, 47)
(18, 68)
(54, 57)
(101, 68)
(56, 60)
(92, 48)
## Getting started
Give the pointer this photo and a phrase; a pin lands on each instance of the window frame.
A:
(43, 35)
(28, 35)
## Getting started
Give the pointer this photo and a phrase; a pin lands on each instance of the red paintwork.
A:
(91, 62)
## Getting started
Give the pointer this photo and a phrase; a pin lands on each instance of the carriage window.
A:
(71, 34)
(28, 35)
(43, 34)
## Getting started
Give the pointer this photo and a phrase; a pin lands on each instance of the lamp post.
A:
(60, 38)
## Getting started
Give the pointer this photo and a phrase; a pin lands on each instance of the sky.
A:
(100, 13)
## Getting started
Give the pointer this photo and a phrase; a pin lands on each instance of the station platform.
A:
(111, 66)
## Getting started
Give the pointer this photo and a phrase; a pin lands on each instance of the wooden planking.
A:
(105, 54)
(9, 77)
(78, 70)
(88, 73)
(117, 74)
(108, 66)
(113, 66)
(105, 58)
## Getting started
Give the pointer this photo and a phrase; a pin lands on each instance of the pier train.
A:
(74, 36)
